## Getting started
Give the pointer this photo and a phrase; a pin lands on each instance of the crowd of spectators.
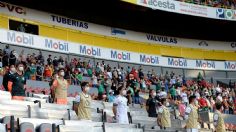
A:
(107, 80)
(230, 4)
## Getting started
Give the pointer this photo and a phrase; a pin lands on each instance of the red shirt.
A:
(202, 102)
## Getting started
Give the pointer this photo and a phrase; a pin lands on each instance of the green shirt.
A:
(90, 73)
(131, 90)
(101, 88)
(79, 77)
(173, 91)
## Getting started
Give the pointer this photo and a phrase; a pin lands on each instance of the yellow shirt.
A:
(84, 107)
(165, 117)
(220, 122)
(192, 122)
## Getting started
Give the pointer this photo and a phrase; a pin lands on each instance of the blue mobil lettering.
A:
(230, 65)
(20, 38)
(205, 64)
(149, 59)
(162, 39)
(177, 62)
(90, 51)
(60, 46)
(68, 21)
(120, 55)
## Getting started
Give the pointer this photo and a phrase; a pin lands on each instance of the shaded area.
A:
(124, 15)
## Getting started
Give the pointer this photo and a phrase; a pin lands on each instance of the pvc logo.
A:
(20, 38)
(12, 8)
(177, 62)
(90, 51)
(56, 45)
(149, 59)
(120, 55)
(205, 64)
(230, 65)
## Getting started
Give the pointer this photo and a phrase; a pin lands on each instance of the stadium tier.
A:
(59, 74)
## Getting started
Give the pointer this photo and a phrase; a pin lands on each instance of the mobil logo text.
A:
(149, 59)
(177, 62)
(91, 51)
(120, 55)
(230, 65)
(205, 64)
(19, 38)
(56, 45)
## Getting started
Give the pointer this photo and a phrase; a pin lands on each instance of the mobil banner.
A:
(55, 45)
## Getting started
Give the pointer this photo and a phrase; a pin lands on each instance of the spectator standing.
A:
(151, 104)
(18, 83)
(218, 119)
(49, 60)
(191, 115)
(120, 107)
(164, 114)
(59, 87)
(7, 78)
(84, 100)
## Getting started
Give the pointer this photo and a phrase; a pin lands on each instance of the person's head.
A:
(192, 99)
(153, 93)
(218, 106)
(20, 67)
(164, 102)
(49, 56)
(61, 72)
(7, 46)
(55, 58)
(85, 87)
(12, 69)
(121, 91)
(111, 93)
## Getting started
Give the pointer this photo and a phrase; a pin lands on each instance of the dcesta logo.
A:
(159, 3)
(149, 59)
(225, 13)
(20, 38)
(57, 45)
(90, 51)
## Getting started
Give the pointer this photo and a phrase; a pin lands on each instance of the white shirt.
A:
(184, 97)
(162, 94)
(121, 114)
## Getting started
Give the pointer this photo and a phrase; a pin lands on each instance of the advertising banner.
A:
(44, 43)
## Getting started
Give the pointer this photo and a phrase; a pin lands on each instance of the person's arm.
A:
(114, 108)
(147, 105)
(187, 112)
(215, 119)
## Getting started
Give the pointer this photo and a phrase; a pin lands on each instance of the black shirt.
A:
(152, 103)
(6, 78)
(18, 85)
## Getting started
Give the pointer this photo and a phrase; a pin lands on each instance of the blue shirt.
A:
(111, 98)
